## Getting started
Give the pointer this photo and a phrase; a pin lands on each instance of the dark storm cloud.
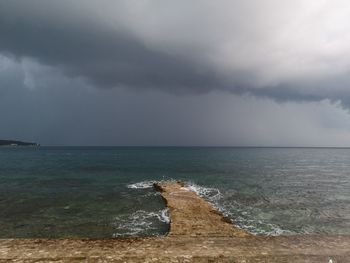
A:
(266, 49)
(105, 57)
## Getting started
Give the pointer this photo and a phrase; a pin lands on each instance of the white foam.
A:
(216, 198)
(164, 216)
(242, 216)
(141, 185)
(211, 194)
(139, 222)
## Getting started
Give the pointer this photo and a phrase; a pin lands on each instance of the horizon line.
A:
(194, 146)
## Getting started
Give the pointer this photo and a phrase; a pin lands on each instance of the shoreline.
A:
(198, 233)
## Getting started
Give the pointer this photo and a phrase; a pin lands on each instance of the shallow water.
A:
(106, 191)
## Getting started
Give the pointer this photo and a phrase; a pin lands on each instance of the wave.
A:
(257, 227)
(140, 223)
(141, 185)
(238, 213)
(240, 217)
(147, 183)
(211, 194)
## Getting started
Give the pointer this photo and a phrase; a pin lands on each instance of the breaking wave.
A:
(141, 185)
(140, 223)
(211, 194)
(236, 212)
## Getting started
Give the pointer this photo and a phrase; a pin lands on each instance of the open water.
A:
(107, 191)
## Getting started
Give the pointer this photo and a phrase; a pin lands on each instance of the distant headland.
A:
(17, 143)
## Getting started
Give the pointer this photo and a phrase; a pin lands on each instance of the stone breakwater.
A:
(198, 233)
(192, 216)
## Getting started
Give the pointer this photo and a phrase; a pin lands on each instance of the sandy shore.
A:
(198, 233)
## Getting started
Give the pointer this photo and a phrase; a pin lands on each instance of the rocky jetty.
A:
(198, 233)
(192, 216)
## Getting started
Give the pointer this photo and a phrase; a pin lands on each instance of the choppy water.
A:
(106, 192)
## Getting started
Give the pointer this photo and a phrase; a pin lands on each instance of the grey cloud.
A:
(63, 111)
(183, 47)
(103, 56)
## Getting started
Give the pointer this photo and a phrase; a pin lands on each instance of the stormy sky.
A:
(159, 72)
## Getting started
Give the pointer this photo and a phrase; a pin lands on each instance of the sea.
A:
(106, 192)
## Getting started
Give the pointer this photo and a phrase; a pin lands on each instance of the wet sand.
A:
(198, 233)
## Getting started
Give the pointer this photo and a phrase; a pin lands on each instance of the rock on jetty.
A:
(198, 233)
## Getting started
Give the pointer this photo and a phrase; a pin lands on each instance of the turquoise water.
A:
(106, 191)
